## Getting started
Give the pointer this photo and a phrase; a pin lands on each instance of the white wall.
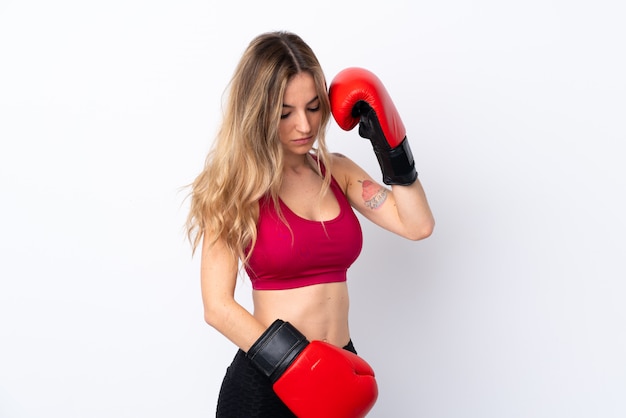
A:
(515, 110)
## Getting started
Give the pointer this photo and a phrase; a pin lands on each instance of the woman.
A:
(269, 201)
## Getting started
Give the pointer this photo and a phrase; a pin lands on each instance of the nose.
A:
(303, 124)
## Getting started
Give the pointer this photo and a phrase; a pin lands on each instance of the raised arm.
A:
(358, 97)
(403, 210)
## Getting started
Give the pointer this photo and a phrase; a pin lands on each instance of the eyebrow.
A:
(308, 103)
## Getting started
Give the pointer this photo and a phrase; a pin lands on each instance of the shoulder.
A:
(339, 162)
(343, 170)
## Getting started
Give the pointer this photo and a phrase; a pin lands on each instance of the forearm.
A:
(221, 310)
(414, 211)
(234, 322)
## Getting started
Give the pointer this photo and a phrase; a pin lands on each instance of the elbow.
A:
(210, 317)
(421, 232)
(213, 314)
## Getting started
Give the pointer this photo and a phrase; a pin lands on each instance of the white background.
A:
(515, 111)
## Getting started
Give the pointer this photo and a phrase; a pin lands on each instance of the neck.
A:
(297, 163)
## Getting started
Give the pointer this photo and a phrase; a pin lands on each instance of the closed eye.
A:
(310, 109)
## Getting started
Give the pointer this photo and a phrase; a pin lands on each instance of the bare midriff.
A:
(319, 311)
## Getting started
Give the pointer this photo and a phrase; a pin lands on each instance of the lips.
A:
(302, 141)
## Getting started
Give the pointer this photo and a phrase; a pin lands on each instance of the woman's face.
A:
(301, 117)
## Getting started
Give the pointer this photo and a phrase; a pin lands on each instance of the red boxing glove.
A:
(314, 379)
(358, 97)
(328, 381)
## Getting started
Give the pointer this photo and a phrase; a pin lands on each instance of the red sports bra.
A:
(311, 253)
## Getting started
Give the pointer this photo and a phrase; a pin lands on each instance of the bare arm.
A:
(403, 210)
(358, 97)
(413, 210)
(218, 279)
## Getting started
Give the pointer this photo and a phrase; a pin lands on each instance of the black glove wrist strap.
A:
(396, 164)
(276, 349)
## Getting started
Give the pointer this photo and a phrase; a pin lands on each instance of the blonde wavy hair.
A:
(246, 158)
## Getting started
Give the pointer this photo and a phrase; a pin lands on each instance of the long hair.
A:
(246, 158)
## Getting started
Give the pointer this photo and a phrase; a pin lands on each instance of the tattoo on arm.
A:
(373, 194)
